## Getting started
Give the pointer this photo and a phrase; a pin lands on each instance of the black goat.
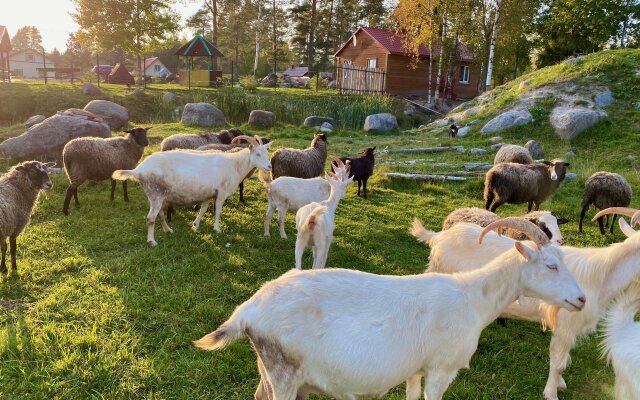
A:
(361, 168)
(453, 130)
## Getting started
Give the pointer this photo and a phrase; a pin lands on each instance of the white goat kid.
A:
(603, 273)
(622, 343)
(185, 177)
(350, 334)
(316, 222)
(288, 193)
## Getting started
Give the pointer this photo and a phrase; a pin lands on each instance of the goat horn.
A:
(249, 139)
(259, 139)
(338, 162)
(635, 219)
(626, 211)
(528, 228)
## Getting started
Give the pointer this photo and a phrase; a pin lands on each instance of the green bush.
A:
(248, 83)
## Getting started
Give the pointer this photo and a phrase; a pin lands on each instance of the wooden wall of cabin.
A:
(366, 48)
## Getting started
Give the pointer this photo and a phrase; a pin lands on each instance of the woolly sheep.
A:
(307, 163)
(546, 221)
(517, 183)
(193, 141)
(361, 168)
(350, 334)
(19, 190)
(511, 153)
(95, 159)
(604, 190)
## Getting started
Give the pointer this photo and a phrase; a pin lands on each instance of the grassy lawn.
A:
(94, 312)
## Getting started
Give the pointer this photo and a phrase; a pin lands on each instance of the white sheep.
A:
(186, 177)
(350, 334)
(621, 343)
(288, 193)
(603, 273)
(316, 221)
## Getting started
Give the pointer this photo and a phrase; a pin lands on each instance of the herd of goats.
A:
(350, 334)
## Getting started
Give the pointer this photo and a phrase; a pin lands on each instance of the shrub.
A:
(248, 83)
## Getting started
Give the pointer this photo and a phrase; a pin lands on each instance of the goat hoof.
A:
(283, 237)
(65, 212)
(195, 227)
(562, 385)
(216, 230)
(268, 236)
(170, 231)
(4, 271)
(550, 395)
(152, 243)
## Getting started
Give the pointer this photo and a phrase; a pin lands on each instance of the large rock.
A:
(202, 114)
(45, 141)
(326, 127)
(464, 131)
(315, 120)
(114, 114)
(261, 118)
(91, 89)
(380, 122)
(568, 122)
(36, 119)
(472, 111)
(169, 97)
(507, 120)
(535, 149)
(604, 98)
(269, 80)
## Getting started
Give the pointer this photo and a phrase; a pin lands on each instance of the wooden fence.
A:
(360, 80)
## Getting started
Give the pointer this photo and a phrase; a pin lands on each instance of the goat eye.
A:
(553, 267)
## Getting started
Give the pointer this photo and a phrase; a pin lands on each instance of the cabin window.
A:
(371, 63)
(156, 68)
(29, 57)
(464, 74)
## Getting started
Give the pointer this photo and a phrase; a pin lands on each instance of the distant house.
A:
(383, 52)
(296, 72)
(24, 63)
(155, 68)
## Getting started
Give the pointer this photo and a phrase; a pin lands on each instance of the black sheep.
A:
(361, 168)
(453, 130)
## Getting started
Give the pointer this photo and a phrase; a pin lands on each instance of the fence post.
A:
(317, 80)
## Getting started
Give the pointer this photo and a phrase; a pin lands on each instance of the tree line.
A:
(508, 37)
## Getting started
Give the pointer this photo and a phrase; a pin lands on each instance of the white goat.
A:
(315, 222)
(621, 343)
(603, 273)
(350, 334)
(184, 177)
(288, 193)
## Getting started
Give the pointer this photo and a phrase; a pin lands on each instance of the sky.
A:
(52, 18)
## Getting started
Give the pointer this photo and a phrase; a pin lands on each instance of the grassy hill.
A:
(95, 313)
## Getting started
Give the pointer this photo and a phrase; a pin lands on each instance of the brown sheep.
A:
(605, 190)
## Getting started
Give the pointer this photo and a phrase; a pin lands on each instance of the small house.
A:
(296, 72)
(25, 64)
(389, 67)
(154, 68)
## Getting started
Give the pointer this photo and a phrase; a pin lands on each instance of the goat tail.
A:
(265, 179)
(123, 174)
(620, 315)
(418, 231)
(227, 333)
(311, 222)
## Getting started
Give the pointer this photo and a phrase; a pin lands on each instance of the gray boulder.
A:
(464, 131)
(91, 89)
(114, 114)
(638, 105)
(139, 92)
(36, 119)
(570, 154)
(380, 122)
(497, 146)
(477, 152)
(46, 140)
(170, 97)
(604, 98)
(472, 111)
(568, 122)
(475, 121)
(202, 114)
(442, 122)
(535, 149)
(570, 176)
(315, 120)
(332, 85)
(507, 120)
(326, 127)
(495, 139)
(261, 119)
(477, 167)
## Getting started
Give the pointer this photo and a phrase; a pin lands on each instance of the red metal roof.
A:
(395, 43)
(5, 42)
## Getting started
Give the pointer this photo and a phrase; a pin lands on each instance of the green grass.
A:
(95, 313)
(21, 100)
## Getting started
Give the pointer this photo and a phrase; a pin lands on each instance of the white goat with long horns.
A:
(603, 273)
(350, 334)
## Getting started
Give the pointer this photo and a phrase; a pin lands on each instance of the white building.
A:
(154, 68)
(24, 63)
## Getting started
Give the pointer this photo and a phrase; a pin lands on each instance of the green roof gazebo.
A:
(203, 70)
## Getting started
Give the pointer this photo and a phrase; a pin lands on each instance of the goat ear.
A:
(373, 148)
(562, 221)
(545, 162)
(567, 164)
(128, 131)
(526, 251)
(146, 129)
